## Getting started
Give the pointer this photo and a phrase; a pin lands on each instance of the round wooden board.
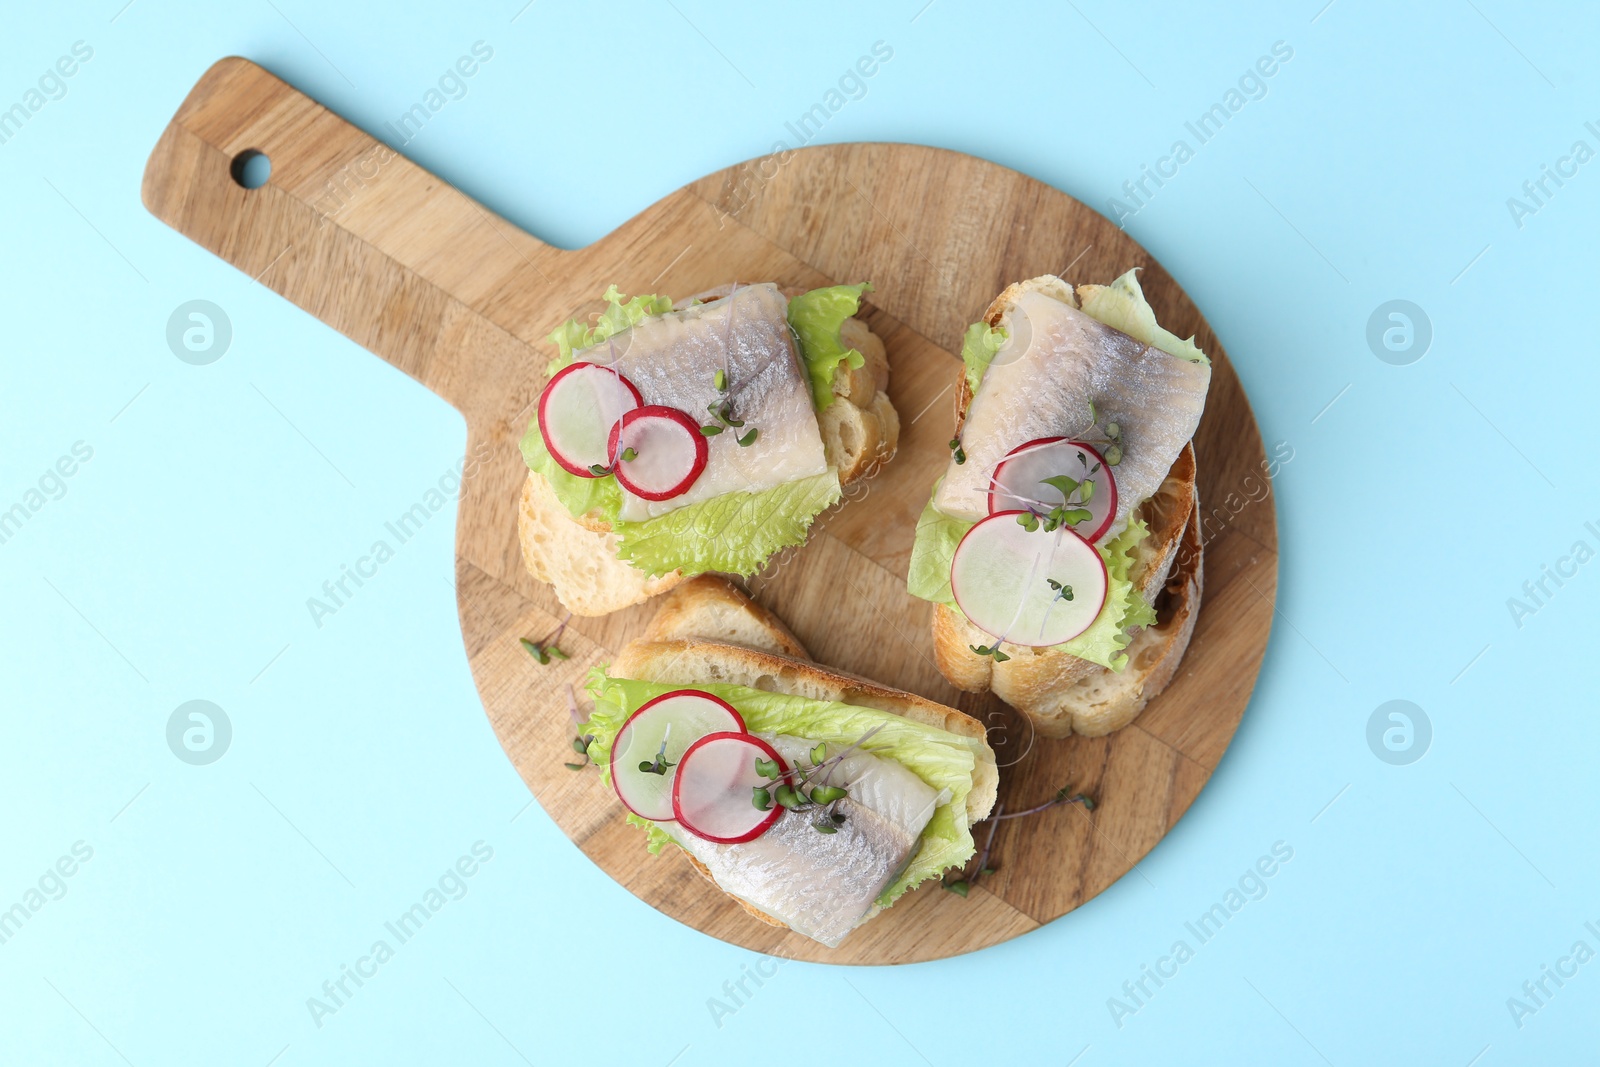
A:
(460, 298)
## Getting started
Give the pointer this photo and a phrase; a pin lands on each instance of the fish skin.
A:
(1054, 361)
(673, 358)
(823, 885)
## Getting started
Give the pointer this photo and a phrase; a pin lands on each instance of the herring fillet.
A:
(1057, 359)
(673, 360)
(823, 885)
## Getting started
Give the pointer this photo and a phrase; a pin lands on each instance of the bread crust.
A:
(675, 647)
(579, 562)
(578, 556)
(712, 607)
(1058, 692)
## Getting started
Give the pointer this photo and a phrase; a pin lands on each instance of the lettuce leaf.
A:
(938, 535)
(620, 314)
(1122, 306)
(941, 759)
(978, 348)
(1103, 642)
(578, 495)
(735, 533)
(816, 317)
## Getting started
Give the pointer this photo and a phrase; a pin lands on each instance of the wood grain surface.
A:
(406, 265)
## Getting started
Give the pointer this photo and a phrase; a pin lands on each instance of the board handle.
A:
(348, 229)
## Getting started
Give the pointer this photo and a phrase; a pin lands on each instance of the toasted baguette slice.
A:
(713, 608)
(578, 557)
(1058, 692)
(689, 643)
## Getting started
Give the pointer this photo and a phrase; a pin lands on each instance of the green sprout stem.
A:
(722, 411)
(544, 651)
(660, 764)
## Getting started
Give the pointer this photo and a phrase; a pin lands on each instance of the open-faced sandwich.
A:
(1061, 548)
(673, 440)
(814, 798)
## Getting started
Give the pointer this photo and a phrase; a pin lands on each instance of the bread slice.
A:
(578, 557)
(713, 608)
(690, 642)
(1058, 692)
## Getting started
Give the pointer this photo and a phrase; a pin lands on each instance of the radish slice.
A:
(1018, 482)
(1001, 575)
(713, 795)
(669, 452)
(677, 719)
(577, 412)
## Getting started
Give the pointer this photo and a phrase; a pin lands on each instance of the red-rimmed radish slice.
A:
(713, 796)
(669, 452)
(577, 412)
(1018, 482)
(1001, 576)
(678, 719)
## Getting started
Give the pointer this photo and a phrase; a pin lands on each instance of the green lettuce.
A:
(1122, 306)
(1103, 642)
(978, 349)
(945, 761)
(938, 535)
(620, 314)
(578, 495)
(816, 317)
(735, 533)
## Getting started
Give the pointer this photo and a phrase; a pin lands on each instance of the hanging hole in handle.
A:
(251, 168)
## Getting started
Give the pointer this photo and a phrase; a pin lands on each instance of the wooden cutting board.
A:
(403, 263)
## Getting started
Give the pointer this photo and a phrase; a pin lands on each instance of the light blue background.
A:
(177, 564)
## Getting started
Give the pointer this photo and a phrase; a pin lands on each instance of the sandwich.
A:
(1061, 548)
(814, 798)
(706, 435)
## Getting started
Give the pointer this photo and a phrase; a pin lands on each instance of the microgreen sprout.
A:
(960, 453)
(1064, 795)
(990, 650)
(807, 789)
(1076, 493)
(1063, 592)
(600, 470)
(722, 412)
(1108, 440)
(963, 885)
(544, 651)
(580, 745)
(981, 869)
(660, 764)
